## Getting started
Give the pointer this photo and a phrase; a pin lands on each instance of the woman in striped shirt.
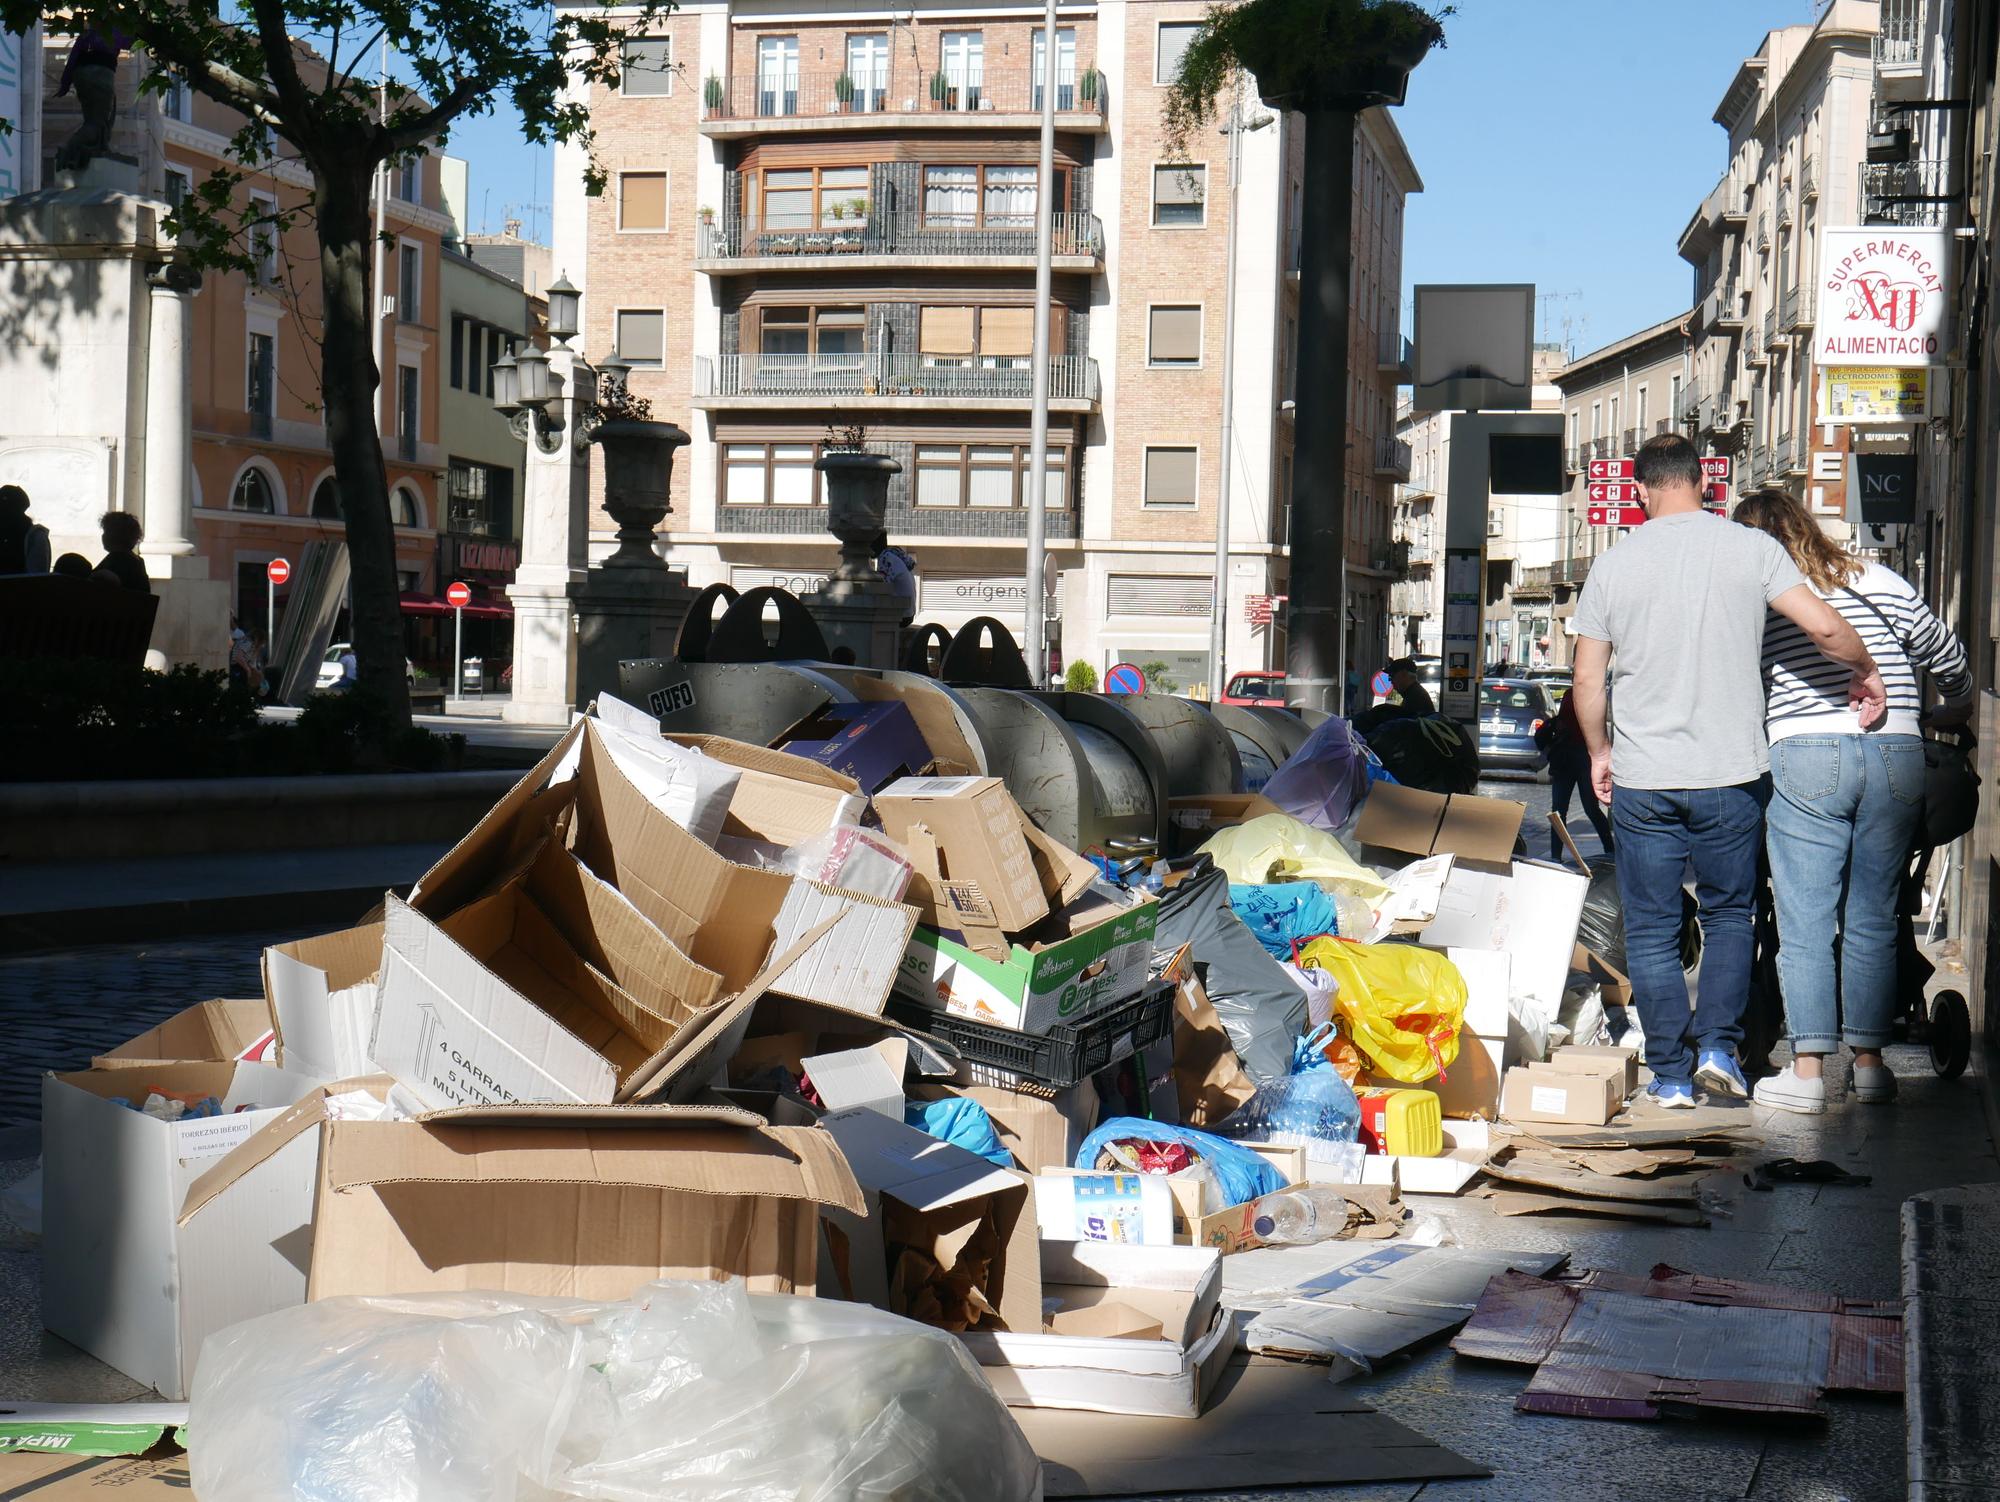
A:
(1846, 798)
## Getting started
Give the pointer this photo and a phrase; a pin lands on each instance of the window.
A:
(1674, 414)
(260, 389)
(777, 75)
(1173, 337)
(992, 338)
(177, 102)
(1639, 412)
(987, 476)
(263, 238)
(1613, 429)
(403, 505)
(178, 186)
(962, 60)
(1170, 478)
(1180, 194)
(642, 200)
(1596, 420)
(410, 178)
(253, 493)
(794, 334)
(868, 72)
(458, 324)
(769, 474)
(801, 198)
(1171, 42)
(326, 501)
(646, 66)
(408, 404)
(642, 337)
(409, 284)
(998, 197)
(1065, 66)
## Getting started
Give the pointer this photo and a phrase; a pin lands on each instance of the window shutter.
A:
(1007, 331)
(1176, 334)
(1183, 184)
(642, 200)
(1173, 596)
(945, 331)
(1170, 477)
(642, 336)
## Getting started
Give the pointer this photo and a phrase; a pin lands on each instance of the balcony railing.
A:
(1899, 39)
(830, 95)
(1691, 400)
(1782, 448)
(1392, 457)
(1573, 459)
(1724, 306)
(1629, 442)
(886, 234)
(1546, 575)
(1072, 378)
(1735, 199)
(1772, 336)
(1784, 206)
(1799, 308)
(1764, 231)
(1422, 553)
(1908, 193)
(1809, 177)
(1392, 350)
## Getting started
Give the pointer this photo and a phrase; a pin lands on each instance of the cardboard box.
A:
(1471, 1086)
(782, 1031)
(123, 1276)
(1591, 1057)
(207, 1032)
(976, 839)
(1474, 831)
(935, 1198)
(780, 800)
(1232, 1229)
(1538, 1092)
(322, 996)
(1042, 1128)
(1099, 1204)
(1192, 819)
(873, 743)
(1092, 955)
(1468, 1144)
(861, 1079)
(572, 1202)
(71, 1478)
(1532, 912)
(1133, 1329)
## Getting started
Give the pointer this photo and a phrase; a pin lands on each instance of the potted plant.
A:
(942, 91)
(843, 90)
(857, 208)
(784, 245)
(638, 469)
(1086, 86)
(707, 213)
(711, 93)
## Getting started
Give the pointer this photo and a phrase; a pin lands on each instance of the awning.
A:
(479, 610)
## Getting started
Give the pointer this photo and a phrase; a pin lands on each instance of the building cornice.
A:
(214, 145)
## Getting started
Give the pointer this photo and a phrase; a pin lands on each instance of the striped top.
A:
(1808, 692)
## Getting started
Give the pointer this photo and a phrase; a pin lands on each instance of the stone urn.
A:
(857, 504)
(638, 473)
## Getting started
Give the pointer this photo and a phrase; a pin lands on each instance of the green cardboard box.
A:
(1090, 956)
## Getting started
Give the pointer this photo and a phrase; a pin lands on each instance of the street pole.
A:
(381, 213)
(458, 652)
(1035, 492)
(1218, 626)
(270, 618)
(1315, 644)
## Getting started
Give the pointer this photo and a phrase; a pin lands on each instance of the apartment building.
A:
(1416, 601)
(813, 223)
(1613, 400)
(263, 472)
(1797, 117)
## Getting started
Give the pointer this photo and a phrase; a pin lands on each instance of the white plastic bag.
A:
(695, 1391)
(853, 859)
(691, 789)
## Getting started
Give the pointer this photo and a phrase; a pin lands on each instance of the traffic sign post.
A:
(1125, 678)
(276, 572)
(1616, 516)
(458, 595)
(1609, 469)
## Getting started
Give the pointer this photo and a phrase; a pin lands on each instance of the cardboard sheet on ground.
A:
(1611, 1345)
(1513, 1202)
(88, 1428)
(1355, 1304)
(1269, 1424)
(1553, 1174)
(161, 1477)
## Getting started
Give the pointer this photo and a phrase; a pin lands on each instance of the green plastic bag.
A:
(1400, 1005)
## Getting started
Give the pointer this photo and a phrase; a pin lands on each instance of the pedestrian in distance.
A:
(122, 563)
(1675, 614)
(1845, 804)
(1561, 740)
(24, 542)
(1409, 688)
(73, 566)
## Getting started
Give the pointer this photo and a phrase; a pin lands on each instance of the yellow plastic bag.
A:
(1400, 1005)
(1277, 847)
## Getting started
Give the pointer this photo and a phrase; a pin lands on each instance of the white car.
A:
(329, 666)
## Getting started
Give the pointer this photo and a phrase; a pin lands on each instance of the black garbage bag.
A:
(1602, 930)
(1260, 1006)
(1428, 752)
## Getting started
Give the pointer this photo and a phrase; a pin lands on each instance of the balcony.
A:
(873, 241)
(1784, 205)
(1691, 400)
(1899, 40)
(901, 99)
(1721, 416)
(1908, 193)
(1782, 448)
(1799, 308)
(1764, 231)
(1423, 552)
(889, 383)
(1573, 459)
(1392, 459)
(1393, 354)
(1756, 466)
(1774, 338)
(1809, 178)
(1724, 307)
(1735, 201)
(1629, 444)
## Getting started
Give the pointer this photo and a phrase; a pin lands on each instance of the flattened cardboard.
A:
(161, 1477)
(569, 1205)
(121, 1277)
(207, 1032)
(979, 837)
(1476, 831)
(1511, 1202)
(322, 997)
(1561, 1177)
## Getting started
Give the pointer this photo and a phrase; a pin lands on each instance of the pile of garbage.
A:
(701, 1079)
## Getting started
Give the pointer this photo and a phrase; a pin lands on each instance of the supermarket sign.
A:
(1883, 298)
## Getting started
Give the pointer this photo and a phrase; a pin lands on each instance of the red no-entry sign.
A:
(277, 571)
(458, 595)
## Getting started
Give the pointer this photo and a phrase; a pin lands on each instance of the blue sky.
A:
(1561, 142)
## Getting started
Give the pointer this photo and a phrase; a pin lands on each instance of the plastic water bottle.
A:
(1300, 1215)
(1355, 916)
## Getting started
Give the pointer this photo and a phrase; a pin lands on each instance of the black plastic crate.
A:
(1067, 1053)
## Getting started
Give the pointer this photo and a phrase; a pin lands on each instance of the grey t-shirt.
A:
(1681, 600)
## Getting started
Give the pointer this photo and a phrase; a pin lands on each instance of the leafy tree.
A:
(1081, 678)
(291, 70)
(1159, 678)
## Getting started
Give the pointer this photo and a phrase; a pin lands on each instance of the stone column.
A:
(555, 546)
(193, 620)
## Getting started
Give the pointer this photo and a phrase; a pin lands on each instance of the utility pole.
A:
(381, 215)
(1036, 490)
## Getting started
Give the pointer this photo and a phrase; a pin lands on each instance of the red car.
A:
(1266, 688)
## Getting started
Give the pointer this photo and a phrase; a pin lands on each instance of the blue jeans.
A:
(1659, 832)
(1843, 818)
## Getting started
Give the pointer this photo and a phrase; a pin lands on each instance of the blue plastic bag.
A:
(1284, 913)
(1314, 1103)
(1242, 1174)
(961, 1122)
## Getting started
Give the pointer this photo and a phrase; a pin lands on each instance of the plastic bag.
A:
(961, 1122)
(689, 1390)
(1320, 989)
(1314, 1104)
(1325, 778)
(1428, 752)
(853, 859)
(1400, 1005)
(1254, 1000)
(1242, 1174)
(1284, 913)
(1278, 847)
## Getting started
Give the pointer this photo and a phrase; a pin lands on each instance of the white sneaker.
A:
(1787, 1092)
(1873, 1083)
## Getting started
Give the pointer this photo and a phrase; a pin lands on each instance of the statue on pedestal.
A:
(93, 70)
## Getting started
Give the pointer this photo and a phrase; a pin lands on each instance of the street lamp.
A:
(529, 392)
(563, 300)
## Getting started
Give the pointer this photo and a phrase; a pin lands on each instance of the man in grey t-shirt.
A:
(1681, 604)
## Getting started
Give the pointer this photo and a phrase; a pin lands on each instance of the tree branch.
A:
(414, 132)
(281, 65)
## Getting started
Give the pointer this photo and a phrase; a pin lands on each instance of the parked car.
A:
(329, 666)
(1556, 680)
(1265, 688)
(1511, 710)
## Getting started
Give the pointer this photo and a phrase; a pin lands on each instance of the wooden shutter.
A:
(945, 331)
(642, 200)
(1008, 331)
